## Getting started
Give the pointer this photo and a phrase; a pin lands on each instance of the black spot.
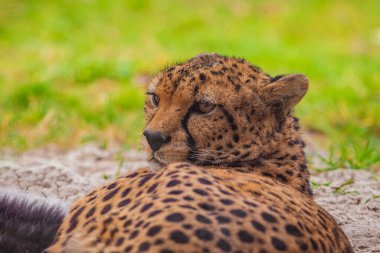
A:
(182, 165)
(134, 174)
(245, 155)
(282, 178)
(204, 234)
(238, 213)
(205, 250)
(204, 181)
(203, 219)
(91, 199)
(154, 213)
(124, 202)
(293, 230)
(173, 172)
(202, 77)
(128, 248)
(289, 172)
(158, 242)
(105, 209)
(169, 200)
(77, 213)
(223, 245)
(90, 212)
(107, 221)
(175, 217)
(206, 206)
(145, 179)
(144, 246)
(258, 226)
(127, 223)
(134, 206)
(314, 244)
(134, 234)
(72, 226)
(152, 188)
(173, 182)
(175, 192)
(187, 226)
(179, 237)
(146, 207)
(303, 246)
(139, 193)
(236, 138)
(294, 157)
(166, 251)
(152, 231)
(244, 236)
(188, 198)
(250, 203)
(111, 186)
(225, 192)
(278, 244)
(226, 202)
(200, 192)
(125, 192)
(187, 207)
(225, 231)
(119, 241)
(268, 217)
(222, 219)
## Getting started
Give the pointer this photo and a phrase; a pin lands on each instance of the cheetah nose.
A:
(156, 139)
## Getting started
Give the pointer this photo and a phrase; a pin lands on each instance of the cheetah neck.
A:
(283, 160)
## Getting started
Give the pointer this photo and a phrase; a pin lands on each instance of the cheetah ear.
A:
(286, 90)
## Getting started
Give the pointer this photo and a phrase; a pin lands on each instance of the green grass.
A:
(68, 69)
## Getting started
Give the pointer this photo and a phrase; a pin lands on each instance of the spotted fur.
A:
(230, 175)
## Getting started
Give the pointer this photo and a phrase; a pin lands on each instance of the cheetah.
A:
(228, 174)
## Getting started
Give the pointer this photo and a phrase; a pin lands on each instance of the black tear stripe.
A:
(190, 140)
(196, 88)
(229, 117)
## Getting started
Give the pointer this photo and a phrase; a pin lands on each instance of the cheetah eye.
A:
(154, 99)
(204, 107)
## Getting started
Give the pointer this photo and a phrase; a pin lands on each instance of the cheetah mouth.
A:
(155, 161)
(161, 159)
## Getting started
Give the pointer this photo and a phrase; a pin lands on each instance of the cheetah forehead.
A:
(205, 69)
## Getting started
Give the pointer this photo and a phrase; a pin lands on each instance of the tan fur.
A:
(241, 184)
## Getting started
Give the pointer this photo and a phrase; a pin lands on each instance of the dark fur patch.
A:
(27, 225)
(276, 78)
(190, 140)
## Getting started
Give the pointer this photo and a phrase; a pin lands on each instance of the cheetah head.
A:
(216, 110)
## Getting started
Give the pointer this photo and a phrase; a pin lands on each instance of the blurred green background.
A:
(73, 71)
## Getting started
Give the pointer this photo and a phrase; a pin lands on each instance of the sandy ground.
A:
(66, 175)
